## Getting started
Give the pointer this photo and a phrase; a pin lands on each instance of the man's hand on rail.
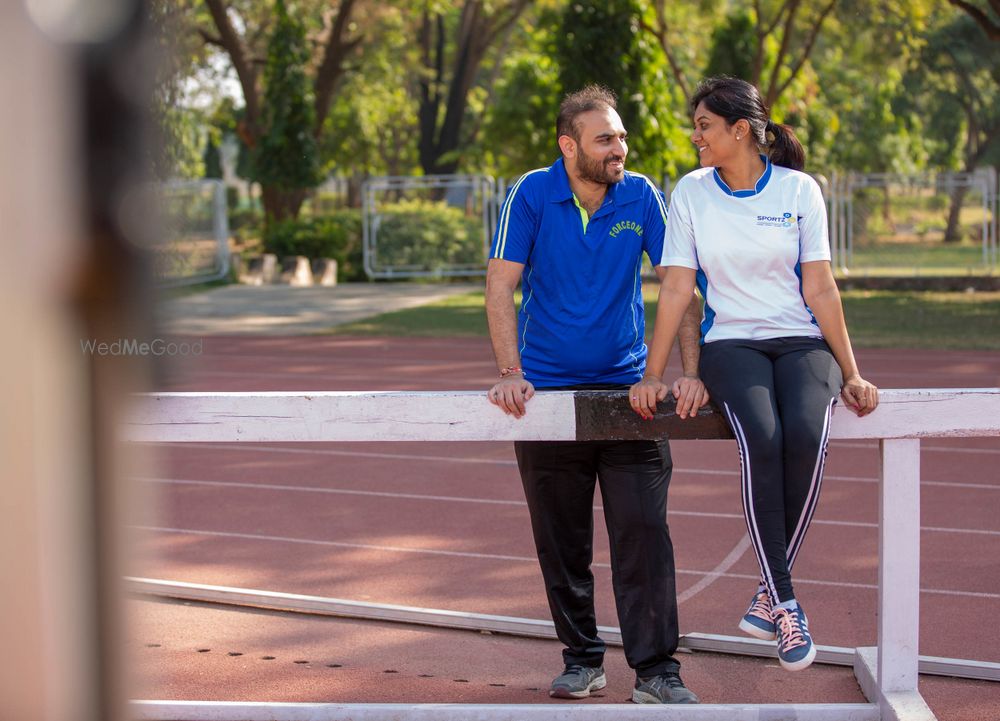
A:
(859, 395)
(511, 394)
(691, 395)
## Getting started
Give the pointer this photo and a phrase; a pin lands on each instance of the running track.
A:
(445, 526)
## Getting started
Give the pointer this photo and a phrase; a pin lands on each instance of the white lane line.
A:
(340, 544)
(526, 559)
(506, 462)
(718, 572)
(339, 491)
(500, 502)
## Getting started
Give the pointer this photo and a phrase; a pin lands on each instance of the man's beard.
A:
(596, 171)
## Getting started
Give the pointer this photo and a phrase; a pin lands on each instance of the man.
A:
(573, 234)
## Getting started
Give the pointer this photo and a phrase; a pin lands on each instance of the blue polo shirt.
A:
(582, 318)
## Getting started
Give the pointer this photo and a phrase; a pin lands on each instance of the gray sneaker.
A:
(665, 688)
(578, 681)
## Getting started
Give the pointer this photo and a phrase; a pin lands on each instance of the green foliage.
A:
(598, 43)
(371, 128)
(519, 132)
(287, 156)
(421, 234)
(336, 235)
(603, 42)
(883, 90)
(212, 158)
(428, 235)
(179, 138)
(733, 43)
(178, 154)
(956, 91)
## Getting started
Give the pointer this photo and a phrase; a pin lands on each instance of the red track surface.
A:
(444, 526)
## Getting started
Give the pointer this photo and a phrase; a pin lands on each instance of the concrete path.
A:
(284, 310)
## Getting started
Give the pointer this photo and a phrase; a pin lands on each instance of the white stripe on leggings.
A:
(748, 510)
(809, 508)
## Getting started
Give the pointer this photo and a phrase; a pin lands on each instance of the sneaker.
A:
(665, 688)
(578, 681)
(795, 646)
(757, 620)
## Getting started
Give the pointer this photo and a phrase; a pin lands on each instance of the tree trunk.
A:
(953, 233)
(281, 204)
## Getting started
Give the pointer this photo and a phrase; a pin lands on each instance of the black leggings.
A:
(778, 396)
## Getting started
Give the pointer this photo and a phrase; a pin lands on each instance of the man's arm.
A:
(512, 391)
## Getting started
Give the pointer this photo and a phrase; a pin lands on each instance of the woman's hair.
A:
(735, 99)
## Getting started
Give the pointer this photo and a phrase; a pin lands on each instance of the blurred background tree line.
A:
(309, 89)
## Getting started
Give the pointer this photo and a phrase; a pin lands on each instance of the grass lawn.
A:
(876, 319)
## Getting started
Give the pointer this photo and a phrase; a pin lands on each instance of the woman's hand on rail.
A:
(859, 395)
(644, 395)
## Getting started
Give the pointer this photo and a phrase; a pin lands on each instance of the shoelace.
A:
(790, 629)
(576, 670)
(761, 606)
(658, 682)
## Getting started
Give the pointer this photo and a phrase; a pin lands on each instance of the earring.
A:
(737, 137)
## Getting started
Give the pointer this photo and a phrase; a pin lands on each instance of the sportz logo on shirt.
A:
(624, 225)
(785, 220)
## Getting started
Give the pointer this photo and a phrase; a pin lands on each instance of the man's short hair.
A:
(592, 97)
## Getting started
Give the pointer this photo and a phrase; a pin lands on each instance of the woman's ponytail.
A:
(785, 149)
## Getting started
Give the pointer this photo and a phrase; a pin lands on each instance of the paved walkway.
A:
(285, 310)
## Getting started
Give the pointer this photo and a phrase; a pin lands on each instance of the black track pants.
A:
(778, 397)
(559, 480)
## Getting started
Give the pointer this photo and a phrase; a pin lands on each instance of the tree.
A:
(681, 29)
(452, 50)
(519, 131)
(603, 42)
(177, 153)
(285, 161)
(987, 19)
(773, 40)
(960, 69)
(239, 28)
(372, 126)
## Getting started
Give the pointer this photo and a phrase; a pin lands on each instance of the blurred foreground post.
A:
(71, 131)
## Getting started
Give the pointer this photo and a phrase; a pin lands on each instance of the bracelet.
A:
(504, 372)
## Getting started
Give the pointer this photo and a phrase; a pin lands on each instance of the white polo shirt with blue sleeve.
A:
(582, 319)
(747, 247)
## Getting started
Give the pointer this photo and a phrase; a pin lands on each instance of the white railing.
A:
(887, 673)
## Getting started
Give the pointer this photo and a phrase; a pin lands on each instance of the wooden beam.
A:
(552, 415)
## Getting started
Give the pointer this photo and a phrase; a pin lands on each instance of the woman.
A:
(750, 230)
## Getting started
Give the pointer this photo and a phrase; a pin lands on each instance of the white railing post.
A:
(899, 565)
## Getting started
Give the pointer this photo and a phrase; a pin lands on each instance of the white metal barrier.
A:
(887, 673)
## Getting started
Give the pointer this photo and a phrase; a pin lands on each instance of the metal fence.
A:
(193, 245)
(427, 226)
(928, 224)
(442, 225)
